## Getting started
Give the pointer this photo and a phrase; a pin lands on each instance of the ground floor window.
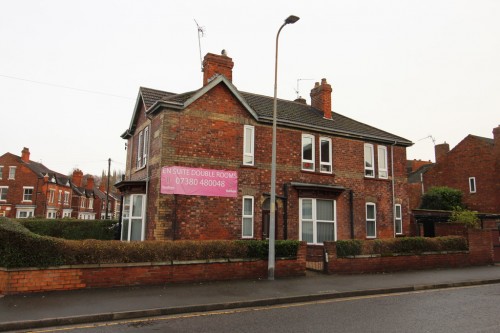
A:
(398, 219)
(24, 213)
(66, 213)
(371, 220)
(317, 220)
(51, 214)
(247, 216)
(133, 217)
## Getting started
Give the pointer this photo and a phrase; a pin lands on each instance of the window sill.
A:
(317, 173)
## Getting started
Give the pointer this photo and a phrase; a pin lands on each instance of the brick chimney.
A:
(321, 98)
(496, 140)
(90, 183)
(214, 64)
(25, 154)
(440, 151)
(77, 177)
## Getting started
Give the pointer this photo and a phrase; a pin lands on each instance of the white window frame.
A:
(66, 213)
(140, 147)
(59, 198)
(52, 194)
(472, 185)
(83, 201)
(127, 214)
(91, 203)
(369, 171)
(398, 219)
(12, 172)
(145, 146)
(374, 219)
(248, 156)
(66, 197)
(30, 212)
(4, 193)
(315, 220)
(383, 172)
(304, 161)
(328, 164)
(30, 195)
(1, 172)
(247, 216)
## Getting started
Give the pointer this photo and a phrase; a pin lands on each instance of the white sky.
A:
(412, 68)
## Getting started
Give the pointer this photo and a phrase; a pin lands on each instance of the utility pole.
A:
(107, 190)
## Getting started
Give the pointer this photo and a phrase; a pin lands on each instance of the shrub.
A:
(441, 198)
(467, 217)
(351, 247)
(72, 229)
(19, 247)
(409, 245)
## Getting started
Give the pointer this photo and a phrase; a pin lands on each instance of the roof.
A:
(290, 113)
(41, 170)
(485, 140)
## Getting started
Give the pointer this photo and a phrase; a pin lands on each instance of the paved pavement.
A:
(20, 312)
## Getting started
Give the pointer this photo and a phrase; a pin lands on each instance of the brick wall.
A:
(460, 163)
(480, 253)
(113, 275)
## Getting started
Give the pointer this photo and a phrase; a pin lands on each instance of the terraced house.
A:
(29, 189)
(199, 167)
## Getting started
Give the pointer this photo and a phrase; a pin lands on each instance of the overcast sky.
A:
(70, 70)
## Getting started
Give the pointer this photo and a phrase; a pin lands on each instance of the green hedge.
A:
(72, 229)
(407, 245)
(19, 247)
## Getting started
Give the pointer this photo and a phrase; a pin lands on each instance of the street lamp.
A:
(272, 223)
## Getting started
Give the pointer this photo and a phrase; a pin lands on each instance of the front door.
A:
(266, 217)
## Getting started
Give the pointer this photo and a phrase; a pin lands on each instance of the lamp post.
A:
(272, 223)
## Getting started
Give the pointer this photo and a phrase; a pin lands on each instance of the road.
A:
(466, 309)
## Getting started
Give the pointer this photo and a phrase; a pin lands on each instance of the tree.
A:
(442, 198)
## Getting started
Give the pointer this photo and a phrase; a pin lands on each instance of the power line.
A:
(64, 87)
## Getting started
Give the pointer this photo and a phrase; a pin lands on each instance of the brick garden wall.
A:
(480, 253)
(25, 280)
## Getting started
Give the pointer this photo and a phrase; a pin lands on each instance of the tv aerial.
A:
(201, 33)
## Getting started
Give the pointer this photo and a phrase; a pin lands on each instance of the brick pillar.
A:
(480, 247)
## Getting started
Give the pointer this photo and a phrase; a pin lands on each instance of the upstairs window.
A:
(59, 198)
(369, 161)
(307, 152)
(3, 193)
(1, 171)
(382, 162)
(12, 172)
(66, 197)
(27, 193)
(472, 184)
(51, 196)
(82, 202)
(142, 148)
(91, 203)
(325, 155)
(248, 144)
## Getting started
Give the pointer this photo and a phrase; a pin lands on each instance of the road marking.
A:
(242, 310)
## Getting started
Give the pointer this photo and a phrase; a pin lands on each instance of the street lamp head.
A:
(291, 19)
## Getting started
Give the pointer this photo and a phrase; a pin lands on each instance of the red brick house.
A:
(199, 167)
(29, 189)
(472, 167)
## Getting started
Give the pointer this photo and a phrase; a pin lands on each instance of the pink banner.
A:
(196, 181)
